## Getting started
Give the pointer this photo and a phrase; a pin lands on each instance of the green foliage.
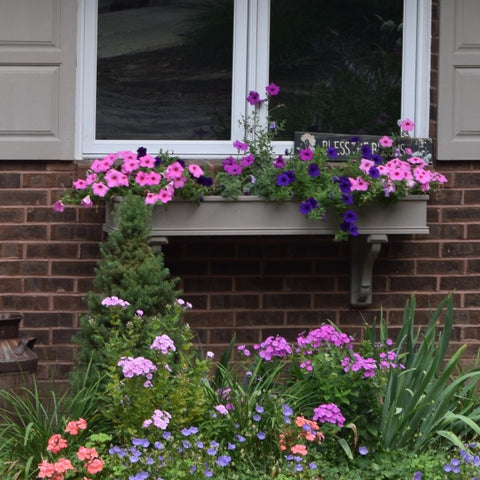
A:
(428, 399)
(177, 385)
(129, 269)
(29, 420)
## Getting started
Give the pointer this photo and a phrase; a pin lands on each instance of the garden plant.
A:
(147, 402)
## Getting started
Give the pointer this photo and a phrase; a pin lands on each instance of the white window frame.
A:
(249, 72)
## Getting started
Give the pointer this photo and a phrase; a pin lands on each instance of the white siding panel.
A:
(459, 81)
(37, 78)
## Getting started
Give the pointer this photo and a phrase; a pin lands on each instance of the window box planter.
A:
(249, 215)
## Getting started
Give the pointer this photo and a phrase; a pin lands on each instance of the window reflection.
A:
(338, 63)
(164, 69)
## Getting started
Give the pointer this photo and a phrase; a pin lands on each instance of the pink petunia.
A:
(58, 206)
(385, 141)
(100, 189)
(147, 161)
(358, 184)
(195, 171)
(142, 178)
(406, 125)
(114, 178)
(174, 170)
(130, 165)
(80, 184)
(154, 178)
(90, 178)
(86, 202)
(165, 195)
(151, 198)
(366, 165)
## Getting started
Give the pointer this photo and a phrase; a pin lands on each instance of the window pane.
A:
(338, 64)
(161, 73)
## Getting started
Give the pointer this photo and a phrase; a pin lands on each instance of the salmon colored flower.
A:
(56, 443)
(94, 465)
(299, 449)
(75, 425)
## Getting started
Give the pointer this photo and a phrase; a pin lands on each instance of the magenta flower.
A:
(58, 206)
(253, 97)
(306, 154)
(238, 145)
(273, 89)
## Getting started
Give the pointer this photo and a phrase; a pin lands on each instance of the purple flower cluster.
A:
(163, 343)
(273, 347)
(159, 419)
(328, 412)
(359, 363)
(326, 334)
(135, 367)
(115, 302)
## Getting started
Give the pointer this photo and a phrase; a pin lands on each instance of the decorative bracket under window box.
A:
(248, 215)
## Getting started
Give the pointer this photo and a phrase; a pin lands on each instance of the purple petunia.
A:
(332, 152)
(313, 170)
(308, 205)
(285, 179)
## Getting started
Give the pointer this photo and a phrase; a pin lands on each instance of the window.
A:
(176, 78)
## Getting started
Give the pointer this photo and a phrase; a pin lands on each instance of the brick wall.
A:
(252, 286)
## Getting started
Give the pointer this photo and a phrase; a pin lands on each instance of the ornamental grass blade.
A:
(417, 399)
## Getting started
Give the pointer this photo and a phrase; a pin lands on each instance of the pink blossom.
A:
(147, 161)
(406, 125)
(385, 141)
(86, 202)
(422, 176)
(151, 198)
(174, 171)
(90, 178)
(142, 178)
(165, 195)
(195, 171)
(130, 165)
(366, 165)
(417, 161)
(114, 178)
(154, 178)
(58, 206)
(80, 184)
(358, 184)
(100, 189)
(179, 182)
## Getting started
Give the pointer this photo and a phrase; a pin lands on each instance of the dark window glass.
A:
(161, 72)
(338, 64)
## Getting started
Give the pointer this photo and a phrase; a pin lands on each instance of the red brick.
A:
(220, 302)
(287, 301)
(23, 197)
(12, 215)
(25, 232)
(52, 250)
